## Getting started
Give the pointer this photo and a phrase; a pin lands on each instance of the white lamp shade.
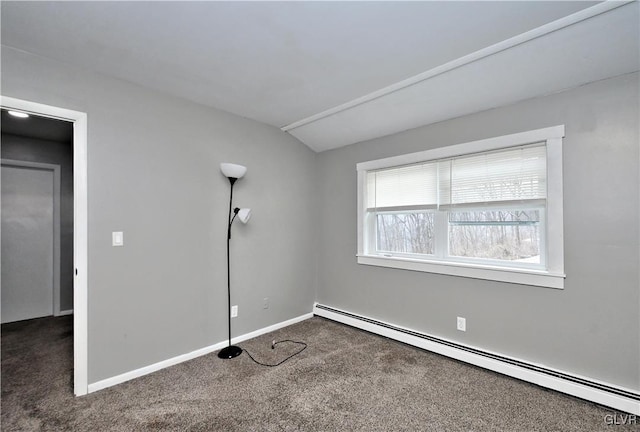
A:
(233, 170)
(244, 215)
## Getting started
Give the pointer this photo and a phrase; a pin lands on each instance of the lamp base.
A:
(230, 352)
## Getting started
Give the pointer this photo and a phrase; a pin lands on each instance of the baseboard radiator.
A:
(615, 397)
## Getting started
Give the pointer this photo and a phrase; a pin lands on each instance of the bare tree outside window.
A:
(406, 232)
(512, 235)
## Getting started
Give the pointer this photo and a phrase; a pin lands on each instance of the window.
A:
(489, 209)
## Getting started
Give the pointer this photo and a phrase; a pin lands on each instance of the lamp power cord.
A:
(273, 346)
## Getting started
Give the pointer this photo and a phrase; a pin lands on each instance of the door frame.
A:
(56, 221)
(80, 230)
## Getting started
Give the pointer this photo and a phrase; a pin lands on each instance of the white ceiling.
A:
(335, 73)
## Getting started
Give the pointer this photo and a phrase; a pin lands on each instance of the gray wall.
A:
(591, 327)
(59, 153)
(153, 169)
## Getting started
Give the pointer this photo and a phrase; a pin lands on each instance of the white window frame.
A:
(552, 276)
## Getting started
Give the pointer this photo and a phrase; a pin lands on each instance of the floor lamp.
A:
(233, 172)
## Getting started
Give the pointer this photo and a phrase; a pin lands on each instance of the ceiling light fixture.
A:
(18, 114)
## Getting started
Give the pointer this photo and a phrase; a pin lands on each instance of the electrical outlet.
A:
(265, 303)
(234, 311)
(462, 324)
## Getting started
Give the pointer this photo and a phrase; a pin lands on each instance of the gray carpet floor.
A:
(346, 380)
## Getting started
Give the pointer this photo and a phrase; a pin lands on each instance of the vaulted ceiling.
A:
(336, 73)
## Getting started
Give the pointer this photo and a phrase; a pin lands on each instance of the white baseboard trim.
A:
(118, 379)
(602, 393)
(65, 312)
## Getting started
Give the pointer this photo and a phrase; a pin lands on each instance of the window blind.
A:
(410, 187)
(511, 175)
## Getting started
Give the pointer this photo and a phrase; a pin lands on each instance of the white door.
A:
(27, 242)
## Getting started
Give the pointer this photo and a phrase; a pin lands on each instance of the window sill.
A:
(494, 273)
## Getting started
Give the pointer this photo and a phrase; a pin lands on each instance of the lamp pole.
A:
(230, 351)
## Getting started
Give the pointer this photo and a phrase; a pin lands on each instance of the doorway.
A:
(80, 253)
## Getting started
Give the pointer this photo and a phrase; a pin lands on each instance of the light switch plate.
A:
(117, 238)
